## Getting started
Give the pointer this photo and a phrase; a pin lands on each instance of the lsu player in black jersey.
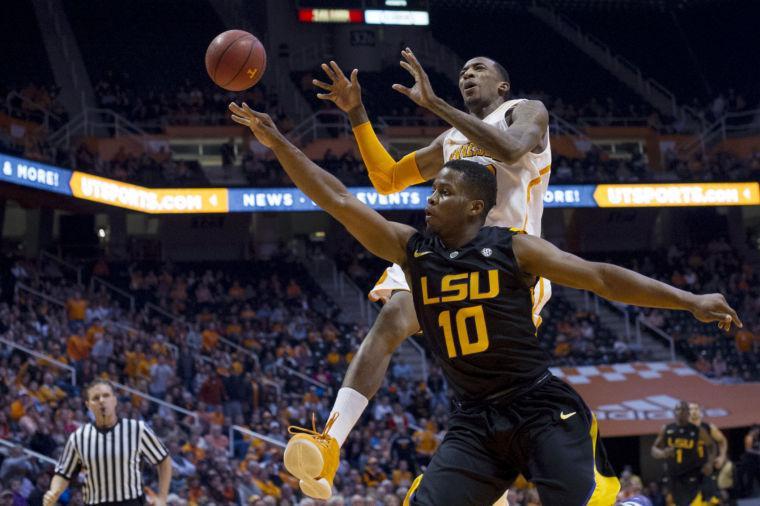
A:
(711, 491)
(472, 289)
(689, 453)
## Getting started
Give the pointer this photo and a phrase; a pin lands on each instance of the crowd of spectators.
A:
(708, 268)
(204, 104)
(189, 103)
(150, 168)
(192, 366)
(597, 166)
(38, 103)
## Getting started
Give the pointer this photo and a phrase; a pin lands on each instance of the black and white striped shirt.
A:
(110, 459)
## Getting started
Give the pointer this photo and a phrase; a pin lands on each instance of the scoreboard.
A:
(370, 12)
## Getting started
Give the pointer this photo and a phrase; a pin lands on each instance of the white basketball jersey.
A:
(521, 186)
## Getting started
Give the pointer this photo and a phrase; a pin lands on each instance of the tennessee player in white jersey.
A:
(521, 185)
(520, 198)
(509, 136)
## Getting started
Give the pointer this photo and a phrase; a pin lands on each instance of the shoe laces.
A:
(321, 437)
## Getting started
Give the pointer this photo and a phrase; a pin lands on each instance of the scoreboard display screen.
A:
(370, 12)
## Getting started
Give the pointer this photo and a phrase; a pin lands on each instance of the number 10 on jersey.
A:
(467, 345)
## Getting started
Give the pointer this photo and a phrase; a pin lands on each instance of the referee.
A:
(109, 452)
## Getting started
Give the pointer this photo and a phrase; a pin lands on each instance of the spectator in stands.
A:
(76, 307)
(15, 466)
(212, 389)
(228, 157)
(102, 350)
(161, 376)
(373, 475)
(42, 441)
(41, 484)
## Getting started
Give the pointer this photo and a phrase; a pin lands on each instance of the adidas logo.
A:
(654, 407)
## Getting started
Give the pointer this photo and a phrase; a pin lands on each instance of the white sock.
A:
(349, 404)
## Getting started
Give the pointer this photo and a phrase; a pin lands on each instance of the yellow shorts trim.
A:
(607, 487)
(415, 486)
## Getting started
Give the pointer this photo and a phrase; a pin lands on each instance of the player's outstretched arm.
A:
(381, 237)
(541, 258)
(530, 118)
(387, 175)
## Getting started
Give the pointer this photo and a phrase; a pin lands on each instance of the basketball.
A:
(235, 60)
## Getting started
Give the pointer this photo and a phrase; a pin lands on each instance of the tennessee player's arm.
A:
(383, 238)
(530, 120)
(541, 258)
(659, 449)
(712, 452)
(386, 174)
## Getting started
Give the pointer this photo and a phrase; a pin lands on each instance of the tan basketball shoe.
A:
(313, 458)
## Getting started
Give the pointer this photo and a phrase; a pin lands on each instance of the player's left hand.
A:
(422, 92)
(260, 123)
(714, 308)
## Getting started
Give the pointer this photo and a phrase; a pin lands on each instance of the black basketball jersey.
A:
(475, 308)
(689, 454)
(702, 451)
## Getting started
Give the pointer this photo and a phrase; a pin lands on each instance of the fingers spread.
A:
(325, 96)
(409, 55)
(337, 70)
(320, 84)
(735, 317)
(401, 89)
(257, 115)
(407, 67)
(354, 76)
(241, 120)
(330, 73)
(235, 108)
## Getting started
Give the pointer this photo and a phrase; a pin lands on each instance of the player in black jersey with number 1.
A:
(711, 491)
(472, 290)
(690, 453)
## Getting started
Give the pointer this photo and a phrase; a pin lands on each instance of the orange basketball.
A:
(235, 60)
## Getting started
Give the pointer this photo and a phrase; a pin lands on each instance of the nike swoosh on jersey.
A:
(564, 416)
(418, 254)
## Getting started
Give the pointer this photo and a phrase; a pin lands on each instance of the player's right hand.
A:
(345, 93)
(260, 124)
(713, 307)
(669, 452)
